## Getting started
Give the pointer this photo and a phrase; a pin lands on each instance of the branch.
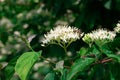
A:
(103, 61)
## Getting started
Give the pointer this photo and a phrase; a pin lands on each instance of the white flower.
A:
(101, 36)
(117, 29)
(61, 35)
(59, 65)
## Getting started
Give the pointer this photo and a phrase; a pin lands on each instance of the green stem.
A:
(27, 43)
(65, 49)
(69, 44)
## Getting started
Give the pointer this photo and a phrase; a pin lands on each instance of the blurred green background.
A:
(33, 18)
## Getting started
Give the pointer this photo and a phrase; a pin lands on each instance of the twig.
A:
(103, 61)
(106, 60)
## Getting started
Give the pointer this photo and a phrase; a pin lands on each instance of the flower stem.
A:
(27, 43)
(65, 49)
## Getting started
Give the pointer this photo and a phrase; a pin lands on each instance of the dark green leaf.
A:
(25, 63)
(111, 76)
(82, 51)
(9, 69)
(79, 66)
(50, 76)
(114, 56)
(63, 76)
(110, 54)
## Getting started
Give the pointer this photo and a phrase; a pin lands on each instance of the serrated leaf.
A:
(25, 63)
(50, 76)
(79, 66)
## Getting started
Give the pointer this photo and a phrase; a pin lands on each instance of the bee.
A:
(79, 32)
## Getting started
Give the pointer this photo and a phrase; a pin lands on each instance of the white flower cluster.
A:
(117, 29)
(62, 35)
(99, 36)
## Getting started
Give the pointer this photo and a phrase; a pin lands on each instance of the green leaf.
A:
(117, 57)
(9, 69)
(110, 54)
(107, 5)
(96, 52)
(50, 76)
(83, 51)
(111, 76)
(79, 66)
(64, 74)
(25, 63)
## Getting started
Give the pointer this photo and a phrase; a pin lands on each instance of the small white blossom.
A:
(17, 33)
(2, 0)
(59, 65)
(117, 29)
(61, 35)
(101, 36)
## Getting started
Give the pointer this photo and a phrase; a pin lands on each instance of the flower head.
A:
(62, 35)
(117, 29)
(100, 36)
